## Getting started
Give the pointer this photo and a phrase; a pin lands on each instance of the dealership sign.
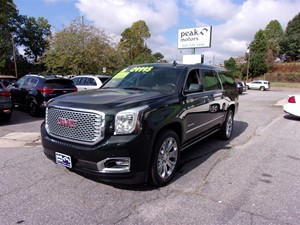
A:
(199, 37)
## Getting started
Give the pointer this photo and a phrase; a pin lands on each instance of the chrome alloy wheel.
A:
(229, 123)
(167, 158)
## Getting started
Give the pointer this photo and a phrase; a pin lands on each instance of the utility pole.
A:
(248, 65)
(14, 54)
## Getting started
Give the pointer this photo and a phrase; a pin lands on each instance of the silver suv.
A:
(89, 81)
(259, 85)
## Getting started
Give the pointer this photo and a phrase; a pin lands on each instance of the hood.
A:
(109, 100)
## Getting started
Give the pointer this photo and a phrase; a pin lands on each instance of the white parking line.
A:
(281, 102)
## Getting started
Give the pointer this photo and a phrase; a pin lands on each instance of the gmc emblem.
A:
(67, 122)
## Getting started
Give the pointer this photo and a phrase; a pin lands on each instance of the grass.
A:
(285, 84)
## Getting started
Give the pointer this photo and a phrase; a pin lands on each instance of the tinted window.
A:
(210, 80)
(21, 81)
(84, 81)
(7, 81)
(31, 82)
(226, 79)
(192, 79)
(76, 80)
(91, 82)
(2, 86)
(103, 79)
(59, 83)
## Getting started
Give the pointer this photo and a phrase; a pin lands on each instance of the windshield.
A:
(145, 77)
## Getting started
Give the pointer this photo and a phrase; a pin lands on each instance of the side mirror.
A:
(15, 85)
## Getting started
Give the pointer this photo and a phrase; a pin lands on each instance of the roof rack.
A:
(44, 75)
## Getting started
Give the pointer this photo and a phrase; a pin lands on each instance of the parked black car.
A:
(134, 127)
(5, 103)
(34, 91)
(241, 86)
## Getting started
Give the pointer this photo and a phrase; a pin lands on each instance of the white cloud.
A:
(217, 9)
(234, 22)
(231, 37)
(120, 14)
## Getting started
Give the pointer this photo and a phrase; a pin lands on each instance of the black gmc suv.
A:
(133, 128)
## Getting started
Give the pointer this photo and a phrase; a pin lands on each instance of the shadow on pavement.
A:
(190, 158)
(291, 117)
(20, 116)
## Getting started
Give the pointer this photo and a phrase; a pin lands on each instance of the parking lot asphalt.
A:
(252, 179)
(20, 139)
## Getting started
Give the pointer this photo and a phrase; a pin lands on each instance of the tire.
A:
(165, 158)
(227, 127)
(262, 88)
(33, 108)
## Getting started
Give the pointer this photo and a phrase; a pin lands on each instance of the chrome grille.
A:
(75, 125)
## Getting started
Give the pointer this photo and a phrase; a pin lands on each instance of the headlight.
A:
(127, 121)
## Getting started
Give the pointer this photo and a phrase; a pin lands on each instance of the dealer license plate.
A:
(63, 159)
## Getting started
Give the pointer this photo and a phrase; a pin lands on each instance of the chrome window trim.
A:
(195, 128)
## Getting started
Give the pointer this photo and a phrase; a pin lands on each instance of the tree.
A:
(133, 40)
(291, 41)
(158, 56)
(19, 31)
(274, 34)
(80, 49)
(258, 51)
(8, 22)
(232, 67)
(144, 57)
(34, 35)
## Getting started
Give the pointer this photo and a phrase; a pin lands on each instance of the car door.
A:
(79, 82)
(19, 92)
(215, 98)
(84, 83)
(255, 84)
(196, 106)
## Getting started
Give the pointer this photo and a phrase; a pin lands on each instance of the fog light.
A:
(114, 165)
(44, 104)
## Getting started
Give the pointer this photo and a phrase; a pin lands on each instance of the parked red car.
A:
(5, 103)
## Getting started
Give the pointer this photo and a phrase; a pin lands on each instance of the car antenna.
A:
(174, 63)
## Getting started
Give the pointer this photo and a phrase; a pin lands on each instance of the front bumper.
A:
(118, 159)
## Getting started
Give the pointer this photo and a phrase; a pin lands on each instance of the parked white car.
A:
(293, 105)
(89, 81)
(259, 85)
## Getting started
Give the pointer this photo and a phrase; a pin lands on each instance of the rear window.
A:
(8, 81)
(2, 87)
(59, 84)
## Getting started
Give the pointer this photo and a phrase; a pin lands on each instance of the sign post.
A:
(199, 37)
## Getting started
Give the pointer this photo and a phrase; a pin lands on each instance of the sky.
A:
(234, 22)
